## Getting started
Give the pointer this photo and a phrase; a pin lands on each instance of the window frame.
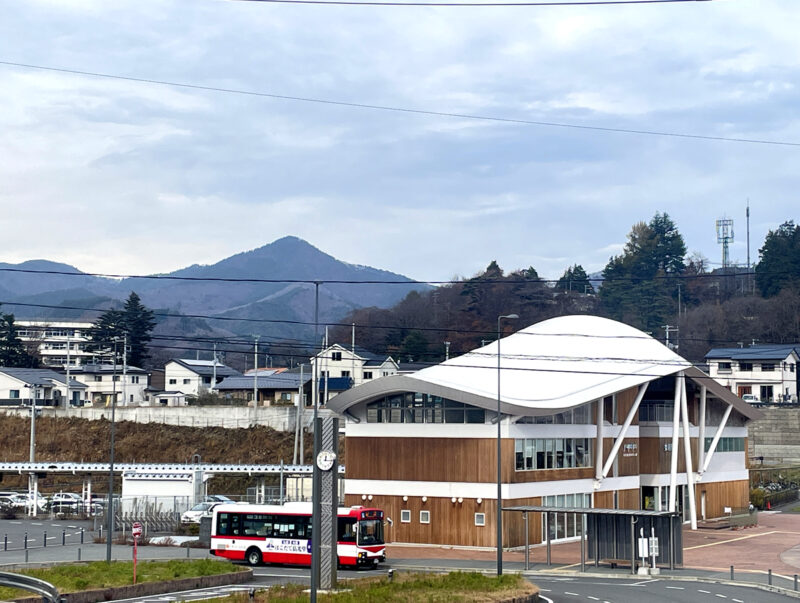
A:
(405, 515)
(425, 517)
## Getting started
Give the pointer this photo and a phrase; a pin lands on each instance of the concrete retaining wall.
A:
(775, 437)
(280, 418)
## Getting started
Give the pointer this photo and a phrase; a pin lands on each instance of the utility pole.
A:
(214, 369)
(255, 372)
(33, 480)
(110, 504)
(125, 369)
(66, 403)
(667, 330)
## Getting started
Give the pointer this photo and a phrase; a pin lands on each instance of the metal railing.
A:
(45, 589)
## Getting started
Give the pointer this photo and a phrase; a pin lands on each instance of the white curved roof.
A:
(551, 365)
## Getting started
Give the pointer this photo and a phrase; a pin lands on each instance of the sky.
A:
(120, 176)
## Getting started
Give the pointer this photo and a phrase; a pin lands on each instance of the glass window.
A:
(480, 519)
(424, 516)
(13, 394)
(405, 516)
(347, 529)
(767, 367)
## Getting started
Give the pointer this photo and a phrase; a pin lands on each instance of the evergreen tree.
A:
(134, 322)
(575, 279)
(639, 286)
(12, 350)
(139, 322)
(779, 266)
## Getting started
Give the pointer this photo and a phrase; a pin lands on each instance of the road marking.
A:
(592, 598)
(35, 524)
(702, 546)
(738, 600)
(546, 599)
(17, 522)
(572, 594)
(704, 591)
(675, 587)
(721, 596)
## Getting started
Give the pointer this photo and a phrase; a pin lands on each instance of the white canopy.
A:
(552, 365)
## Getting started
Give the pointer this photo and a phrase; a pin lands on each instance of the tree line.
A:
(652, 284)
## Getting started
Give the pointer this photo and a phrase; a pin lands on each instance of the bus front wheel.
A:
(253, 556)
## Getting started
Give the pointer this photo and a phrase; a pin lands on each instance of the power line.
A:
(479, 4)
(471, 281)
(322, 101)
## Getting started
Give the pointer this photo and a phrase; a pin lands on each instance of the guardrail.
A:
(40, 587)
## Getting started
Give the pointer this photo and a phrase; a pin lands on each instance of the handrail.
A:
(45, 589)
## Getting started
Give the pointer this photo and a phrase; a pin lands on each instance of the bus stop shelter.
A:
(611, 534)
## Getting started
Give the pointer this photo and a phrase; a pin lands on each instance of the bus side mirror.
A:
(391, 523)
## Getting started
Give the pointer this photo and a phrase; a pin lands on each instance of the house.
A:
(593, 413)
(764, 372)
(52, 337)
(340, 368)
(104, 381)
(193, 377)
(273, 387)
(18, 386)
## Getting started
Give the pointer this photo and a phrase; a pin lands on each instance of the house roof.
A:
(206, 367)
(755, 352)
(283, 380)
(369, 358)
(545, 368)
(40, 377)
(104, 369)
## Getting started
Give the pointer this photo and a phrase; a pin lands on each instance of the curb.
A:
(151, 588)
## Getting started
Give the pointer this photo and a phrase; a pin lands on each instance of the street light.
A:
(499, 457)
(110, 504)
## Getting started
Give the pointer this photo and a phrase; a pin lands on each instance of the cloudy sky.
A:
(128, 177)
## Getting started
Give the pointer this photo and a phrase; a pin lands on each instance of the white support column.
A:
(701, 436)
(717, 435)
(673, 472)
(687, 455)
(600, 432)
(628, 420)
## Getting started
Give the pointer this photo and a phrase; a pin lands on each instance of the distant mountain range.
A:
(268, 296)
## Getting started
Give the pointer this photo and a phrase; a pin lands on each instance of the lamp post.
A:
(499, 456)
(110, 504)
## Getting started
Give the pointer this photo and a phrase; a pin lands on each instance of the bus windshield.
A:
(370, 531)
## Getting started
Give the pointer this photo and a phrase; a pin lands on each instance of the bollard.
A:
(732, 578)
(795, 581)
(769, 575)
(81, 535)
(100, 534)
(26, 555)
(26, 541)
(45, 539)
(252, 594)
(79, 553)
(188, 549)
(63, 537)
(5, 542)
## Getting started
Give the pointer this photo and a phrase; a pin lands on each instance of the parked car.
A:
(219, 498)
(197, 512)
(750, 398)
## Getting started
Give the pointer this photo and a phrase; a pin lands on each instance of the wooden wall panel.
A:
(735, 494)
(625, 400)
(604, 500)
(654, 458)
(629, 499)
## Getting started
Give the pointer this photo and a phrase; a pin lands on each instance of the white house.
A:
(340, 368)
(193, 377)
(52, 338)
(768, 372)
(18, 386)
(104, 380)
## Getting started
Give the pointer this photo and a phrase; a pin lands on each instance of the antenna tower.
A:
(725, 236)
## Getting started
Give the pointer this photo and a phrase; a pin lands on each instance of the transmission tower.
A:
(725, 236)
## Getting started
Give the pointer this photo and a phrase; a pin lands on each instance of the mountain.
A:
(252, 285)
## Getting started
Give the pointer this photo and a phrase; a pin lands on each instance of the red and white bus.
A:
(282, 534)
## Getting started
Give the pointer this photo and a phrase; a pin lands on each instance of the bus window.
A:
(257, 524)
(370, 531)
(347, 530)
(228, 524)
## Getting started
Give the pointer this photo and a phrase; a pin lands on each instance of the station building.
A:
(593, 413)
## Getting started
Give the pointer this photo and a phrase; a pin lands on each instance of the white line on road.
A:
(545, 599)
(572, 594)
(721, 596)
(36, 524)
(675, 587)
(738, 601)
(592, 598)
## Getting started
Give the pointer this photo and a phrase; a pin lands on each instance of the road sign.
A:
(136, 530)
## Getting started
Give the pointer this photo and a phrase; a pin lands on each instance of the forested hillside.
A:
(652, 284)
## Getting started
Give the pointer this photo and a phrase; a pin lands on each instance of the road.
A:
(588, 590)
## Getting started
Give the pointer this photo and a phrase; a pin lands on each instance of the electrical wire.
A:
(406, 110)
(480, 4)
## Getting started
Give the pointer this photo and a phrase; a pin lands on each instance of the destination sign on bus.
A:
(372, 514)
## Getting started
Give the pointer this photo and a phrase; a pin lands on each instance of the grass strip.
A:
(466, 587)
(76, 577)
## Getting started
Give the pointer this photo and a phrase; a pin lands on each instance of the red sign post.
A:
(136, 531)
